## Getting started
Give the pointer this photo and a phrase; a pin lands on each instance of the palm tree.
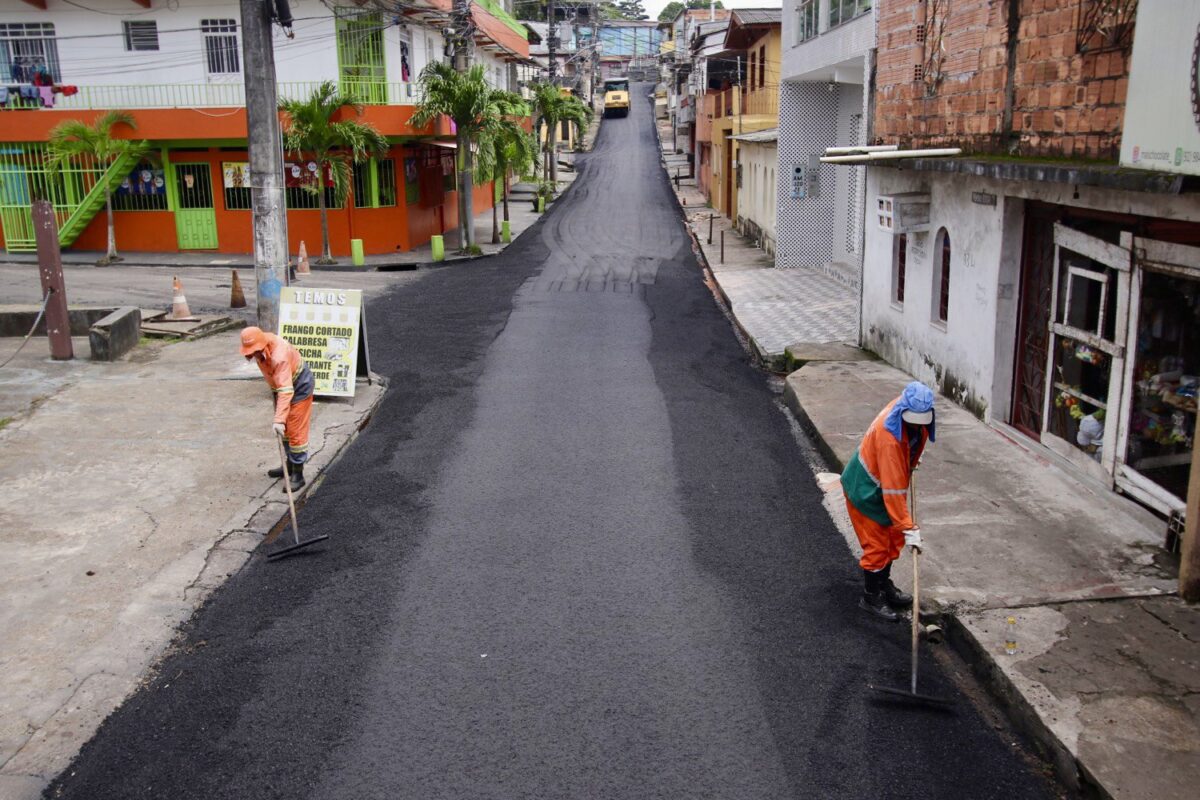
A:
(72, 139)
(507, 149)
(309, 129)
(553, 106)
(476, 109)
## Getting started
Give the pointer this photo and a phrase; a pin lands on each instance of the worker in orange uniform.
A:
(292, 382)
(876, 482)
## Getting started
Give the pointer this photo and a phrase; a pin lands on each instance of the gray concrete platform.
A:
(128, 491)
(1107, 669)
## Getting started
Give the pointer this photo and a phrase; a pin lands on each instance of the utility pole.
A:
(269, 208)
(552, 39)
(462, 54)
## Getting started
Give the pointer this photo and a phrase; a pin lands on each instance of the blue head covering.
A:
(915, 397)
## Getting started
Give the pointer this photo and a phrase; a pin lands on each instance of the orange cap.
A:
(253, 340)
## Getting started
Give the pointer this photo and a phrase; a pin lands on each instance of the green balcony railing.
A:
(212, 95)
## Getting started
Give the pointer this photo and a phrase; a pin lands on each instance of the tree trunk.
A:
(111, 255)
(552, 140)
(505, 190)
(466, 184)
(327, 256)
(495, 219)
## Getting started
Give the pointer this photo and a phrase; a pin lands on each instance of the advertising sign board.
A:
(1162, 109)
(328, 327)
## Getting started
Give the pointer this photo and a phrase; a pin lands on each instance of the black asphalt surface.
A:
(577, 554)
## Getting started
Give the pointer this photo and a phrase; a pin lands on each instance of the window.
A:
(220, 46)
(806, 20)
(762, 66)
(899, 267)
(141, 35)
(845, 10)
(28, 48)
(144, 189)
(375, 184)
(941, 276)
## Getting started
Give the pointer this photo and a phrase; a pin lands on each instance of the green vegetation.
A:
(71, 140)
(309, 129)
(479, 112)
(673, 8)
(553, 106)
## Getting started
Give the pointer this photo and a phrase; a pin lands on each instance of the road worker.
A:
(292, 382)
(876, 483)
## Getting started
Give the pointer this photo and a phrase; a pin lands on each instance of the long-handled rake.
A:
(297, 545)
(910, 695)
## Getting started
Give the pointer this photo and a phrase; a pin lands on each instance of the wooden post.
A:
(711, 217)
(1189, 548)
(58, 320)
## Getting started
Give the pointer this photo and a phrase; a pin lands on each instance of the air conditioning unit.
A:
(903, 213)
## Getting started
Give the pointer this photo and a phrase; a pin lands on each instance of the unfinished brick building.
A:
(1013, 77)
(1048, 277)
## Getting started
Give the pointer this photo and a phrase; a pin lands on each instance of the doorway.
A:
(1033, 319)
(195, 217)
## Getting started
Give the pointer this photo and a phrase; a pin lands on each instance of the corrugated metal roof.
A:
(769, 135)
(759, 16)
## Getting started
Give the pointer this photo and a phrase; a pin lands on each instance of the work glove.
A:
(912, 538)
(277, 428)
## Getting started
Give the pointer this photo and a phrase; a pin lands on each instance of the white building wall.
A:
(757, 198)
(91, 46)
(822, 104)
(971, 358)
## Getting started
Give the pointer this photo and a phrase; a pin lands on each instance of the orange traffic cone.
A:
(237, 299)
(179, 305)
(302, 260)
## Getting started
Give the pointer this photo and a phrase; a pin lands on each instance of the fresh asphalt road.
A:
(578, 553)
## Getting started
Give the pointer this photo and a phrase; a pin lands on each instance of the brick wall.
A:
(943, 79)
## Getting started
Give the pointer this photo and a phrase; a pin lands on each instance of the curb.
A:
(755, 352)
(273, 531)
(1013, 704)
(1020, 713)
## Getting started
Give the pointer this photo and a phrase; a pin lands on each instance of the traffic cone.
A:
(236, 298)
(179, 304)
(302, 260)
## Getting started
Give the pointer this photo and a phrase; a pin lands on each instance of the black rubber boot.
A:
(275, 472)
(894, 597)
(297, 476)
(873, 600)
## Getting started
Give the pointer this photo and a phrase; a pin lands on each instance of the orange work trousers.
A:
(296, 430)
(881, 544)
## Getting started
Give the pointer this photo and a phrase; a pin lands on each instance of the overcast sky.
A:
(653, 7)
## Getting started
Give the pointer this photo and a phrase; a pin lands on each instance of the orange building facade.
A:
(189, 192)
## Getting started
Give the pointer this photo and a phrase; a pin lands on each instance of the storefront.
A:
(1122, 357)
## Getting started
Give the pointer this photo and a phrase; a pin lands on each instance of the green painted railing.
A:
(215, 95)
(24, 177)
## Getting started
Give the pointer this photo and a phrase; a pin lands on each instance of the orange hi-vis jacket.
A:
(876, 480)
(281, 365)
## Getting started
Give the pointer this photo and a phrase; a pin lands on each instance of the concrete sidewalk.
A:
(128, 492)
(777, 309)
(1107, 671)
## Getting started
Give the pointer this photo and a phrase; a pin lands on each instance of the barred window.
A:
(220, 46)
(141, 35)
(300, 199)
(27, 48)
(379, 193)
(144, 189)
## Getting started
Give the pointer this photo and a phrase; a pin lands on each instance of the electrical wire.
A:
(37, 321)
